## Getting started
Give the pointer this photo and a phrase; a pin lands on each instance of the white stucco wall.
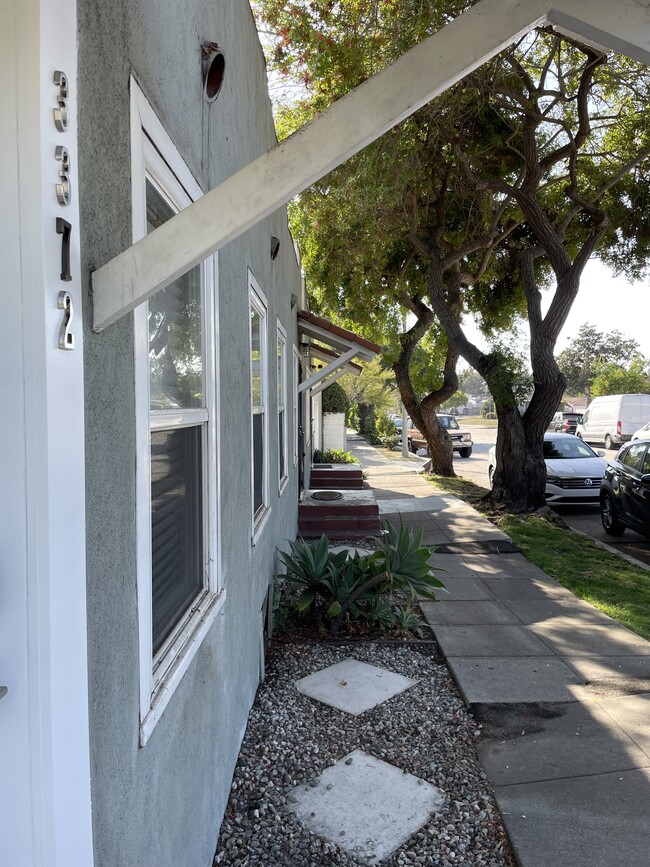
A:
(334, 431)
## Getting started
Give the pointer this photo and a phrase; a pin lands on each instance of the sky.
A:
(607, 302)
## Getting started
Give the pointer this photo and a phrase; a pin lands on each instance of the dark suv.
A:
(625, 490)
(565, 422)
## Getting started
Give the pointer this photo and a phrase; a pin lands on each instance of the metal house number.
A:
(63, 192)
(66, 337)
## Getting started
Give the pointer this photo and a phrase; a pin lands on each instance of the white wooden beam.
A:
(330, 368)
(324, 383)
(346, 127)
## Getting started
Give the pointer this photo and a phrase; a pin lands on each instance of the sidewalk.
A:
(561, 690)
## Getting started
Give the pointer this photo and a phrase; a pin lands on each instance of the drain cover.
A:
(327, 495)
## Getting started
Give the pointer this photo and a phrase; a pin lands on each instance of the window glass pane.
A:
(176, 526)
(256, 357)
(175, 329)
(633, 458)
(281, 435)
(258, 462)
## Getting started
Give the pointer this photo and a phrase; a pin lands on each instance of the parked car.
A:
(574, 471)
(565, 422)
(461, 440)
(612, 419)
(642, 433)
(625, 492)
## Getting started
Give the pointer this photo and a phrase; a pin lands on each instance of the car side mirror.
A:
(645, 478)
(601, 453)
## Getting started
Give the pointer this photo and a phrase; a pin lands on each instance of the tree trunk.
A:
(423, 413)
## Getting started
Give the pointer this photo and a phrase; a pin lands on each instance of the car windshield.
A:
(567, 448)
(448, 421)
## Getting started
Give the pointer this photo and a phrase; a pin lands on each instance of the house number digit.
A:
(66, 338)
(63, 187)
(61, 111)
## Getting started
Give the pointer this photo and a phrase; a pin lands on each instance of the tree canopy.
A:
(591, 349)
(503, 186)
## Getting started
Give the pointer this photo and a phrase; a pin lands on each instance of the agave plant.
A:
(342, 585)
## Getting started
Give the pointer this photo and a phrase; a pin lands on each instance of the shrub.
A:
(335, 399)
(368, 427)
(342, 587)
(354, 419)
(386, 432)
(333, 456)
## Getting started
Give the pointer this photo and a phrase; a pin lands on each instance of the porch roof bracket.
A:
(316, 389)
(330, 368)
(347, 126)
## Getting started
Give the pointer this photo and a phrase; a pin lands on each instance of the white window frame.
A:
(283, 447)
(258, 302)
(154, 156)
(296, 397)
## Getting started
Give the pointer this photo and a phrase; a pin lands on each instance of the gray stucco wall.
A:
(162, 804)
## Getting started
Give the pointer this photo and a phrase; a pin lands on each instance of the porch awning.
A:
(340, 347)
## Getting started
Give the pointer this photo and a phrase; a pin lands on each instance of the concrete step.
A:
(344, 476)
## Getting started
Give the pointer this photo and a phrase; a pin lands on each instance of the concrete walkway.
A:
(561, 690)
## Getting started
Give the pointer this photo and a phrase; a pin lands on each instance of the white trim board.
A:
(347, 126)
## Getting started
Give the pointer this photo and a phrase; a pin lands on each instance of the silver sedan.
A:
(574, 471)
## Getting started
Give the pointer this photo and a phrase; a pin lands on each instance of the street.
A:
(585, 519)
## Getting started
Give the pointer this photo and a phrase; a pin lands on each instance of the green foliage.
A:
(343, 586)
(386, 432)
(612, 378)
(375, 385)
(456, 400)
(335, 399)
(354, 419)
(406, 621)
(369, 425)
(333, 456)
(591, 349)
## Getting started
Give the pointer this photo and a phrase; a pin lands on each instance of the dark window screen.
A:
(176, 526)
(283, 469)
(258, 461)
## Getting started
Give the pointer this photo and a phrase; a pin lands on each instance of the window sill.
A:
(183, 652)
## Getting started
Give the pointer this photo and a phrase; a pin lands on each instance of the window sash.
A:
(154, 156)
(282, 391)
(259, 401)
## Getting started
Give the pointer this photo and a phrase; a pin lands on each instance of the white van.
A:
(612, 419)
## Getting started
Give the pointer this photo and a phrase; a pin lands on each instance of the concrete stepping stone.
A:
(366, 806)
(353, 686)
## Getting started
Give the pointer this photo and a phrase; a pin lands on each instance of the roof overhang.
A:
(342, 345)
(346, 127)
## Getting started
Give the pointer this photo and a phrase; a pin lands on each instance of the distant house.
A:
(157, 400)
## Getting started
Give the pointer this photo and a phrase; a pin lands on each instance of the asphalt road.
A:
(585, 519)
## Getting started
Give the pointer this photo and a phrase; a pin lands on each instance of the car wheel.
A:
(611, 524)
(412, 448)
(465, 453)
(609, 442)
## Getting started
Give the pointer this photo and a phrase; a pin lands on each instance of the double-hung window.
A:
(259, 400)
(296, 398)
(176, 478)
(282, 408)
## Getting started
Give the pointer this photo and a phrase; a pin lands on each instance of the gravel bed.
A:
(291, 739)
